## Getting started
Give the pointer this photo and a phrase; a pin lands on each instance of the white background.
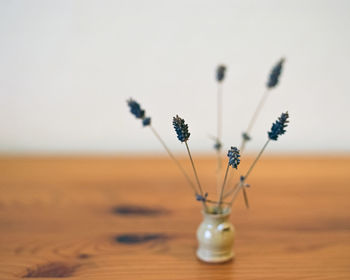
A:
(68, 67)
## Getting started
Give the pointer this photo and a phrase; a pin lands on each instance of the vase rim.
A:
(226, 212)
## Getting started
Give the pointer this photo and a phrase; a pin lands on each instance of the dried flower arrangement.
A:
(225, 197)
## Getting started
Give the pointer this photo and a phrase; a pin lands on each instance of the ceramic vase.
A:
(215, 238)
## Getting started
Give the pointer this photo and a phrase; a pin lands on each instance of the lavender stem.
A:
(223, 186)
(174, 159)
(219, 136)
(195, 174)
(253, 119)
(237, 186)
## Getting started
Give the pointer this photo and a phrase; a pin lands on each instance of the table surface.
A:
(129, 218)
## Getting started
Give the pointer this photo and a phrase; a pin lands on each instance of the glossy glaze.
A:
(215, 238)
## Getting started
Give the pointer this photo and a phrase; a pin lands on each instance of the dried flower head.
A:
(233, 155)
(202, 197)
(181, 129)
(275, 74)
(278, 128)
(220, 73)
(217, 145)
(242, 181)
(146, 121)
(135, 109)
(246, 136)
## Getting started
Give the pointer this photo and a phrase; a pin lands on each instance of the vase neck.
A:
(216, 218)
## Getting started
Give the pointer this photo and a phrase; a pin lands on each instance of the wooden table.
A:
(135, 218)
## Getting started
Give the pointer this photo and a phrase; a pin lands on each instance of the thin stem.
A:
(235, 193)
(219, 165)
(223, 184)
(253, 119)
(231, 191)
(219, 112)
(195, 174)
(256, 159)
(219, 136)
(242, 146)
(218, 173)
(257, 110)
(174, 159)
(249, 170)
(194, 169)
(245, 197)
(241, 183)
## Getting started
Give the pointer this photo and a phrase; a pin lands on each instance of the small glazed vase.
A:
(215, 238)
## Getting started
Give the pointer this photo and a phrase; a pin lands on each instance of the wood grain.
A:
(132, 218)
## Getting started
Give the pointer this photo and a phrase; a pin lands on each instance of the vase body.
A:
(215, 238)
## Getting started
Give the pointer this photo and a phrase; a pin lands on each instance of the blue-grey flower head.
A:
(202, 197)
(275, 74)
(146, 121)
(220, 73)
(278, 128)
(135, 109)
(243, 183)
(246, 136)
(233, 155)
(181, 129)
(217, 145)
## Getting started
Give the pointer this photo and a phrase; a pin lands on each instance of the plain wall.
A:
(68, 67)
